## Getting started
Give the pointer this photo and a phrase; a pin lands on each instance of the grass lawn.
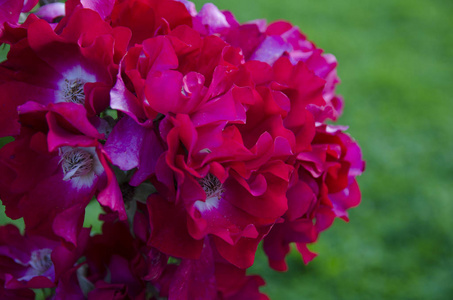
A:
(396, 65)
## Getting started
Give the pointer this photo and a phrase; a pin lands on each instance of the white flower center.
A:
(40, 260)
(76, 162)
(213, 189)
(80, 165)
(73, 91)
(71, 87)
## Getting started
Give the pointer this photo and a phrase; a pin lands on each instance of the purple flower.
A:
(10, 10)
(34, 262)
(50, 175)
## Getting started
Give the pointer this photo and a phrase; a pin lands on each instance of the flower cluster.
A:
(200, 137)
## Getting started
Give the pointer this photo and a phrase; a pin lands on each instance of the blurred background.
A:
(396, 66)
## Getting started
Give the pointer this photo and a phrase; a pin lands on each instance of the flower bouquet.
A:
(199, 137)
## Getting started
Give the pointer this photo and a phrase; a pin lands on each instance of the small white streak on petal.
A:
(83, 181)
(208, 205)
(71, 173)
(205, 150)
(79, 181)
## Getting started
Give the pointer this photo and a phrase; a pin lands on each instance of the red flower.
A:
(217, 136)
(33, 261)
(51, 172)
(323, 188)
(76, 66)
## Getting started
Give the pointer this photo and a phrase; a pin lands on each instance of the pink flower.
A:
(218, 279)
(51, 12)
(117, 264)
(200, 137)
(193, 89)
(51, 172)
(323, 188)
(76, 66)
(34, 262)
(267, 43)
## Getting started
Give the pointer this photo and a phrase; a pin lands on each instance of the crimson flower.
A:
(33, 261)
(200, 138)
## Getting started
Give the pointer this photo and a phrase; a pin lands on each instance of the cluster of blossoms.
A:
(199, 137)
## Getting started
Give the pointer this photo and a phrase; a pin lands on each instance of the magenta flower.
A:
(34, 262)
(219, 279)
(50, 175)
(199, 137)
(76, 66)
(267, 43)
(51, 12)
(209, 183)
(323, 187)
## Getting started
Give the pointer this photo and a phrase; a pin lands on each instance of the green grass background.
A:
(396, 65)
